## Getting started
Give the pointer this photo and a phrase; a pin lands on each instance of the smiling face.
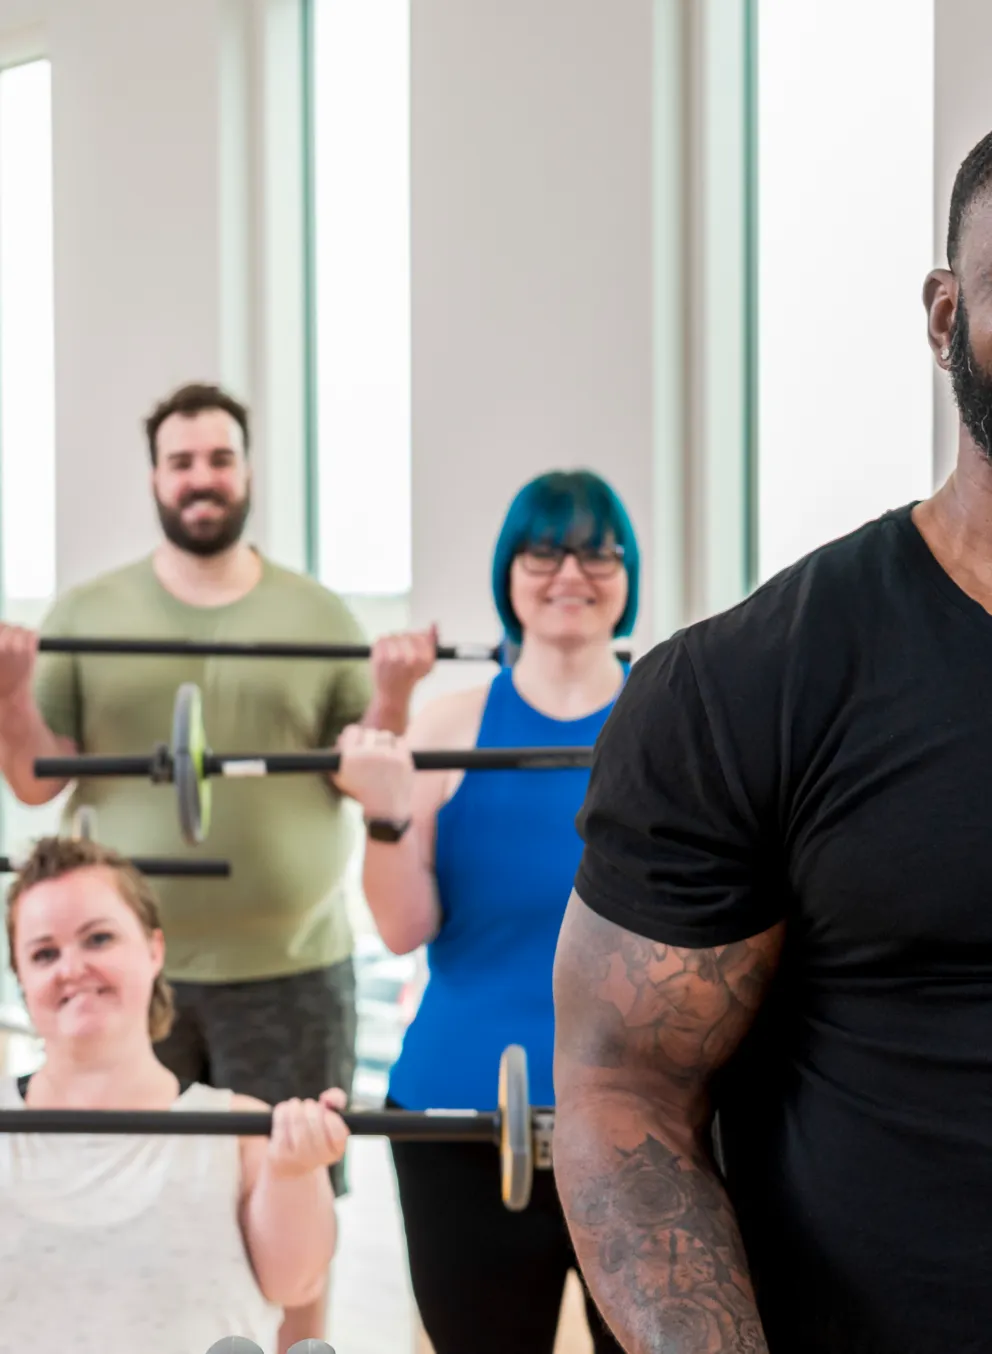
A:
(201, 481)
(571, 598)
(86, 964)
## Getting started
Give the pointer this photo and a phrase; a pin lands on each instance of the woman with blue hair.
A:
(479, 866)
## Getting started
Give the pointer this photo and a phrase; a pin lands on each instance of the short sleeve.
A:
(56, 685)
(675, 848)
(351, 690)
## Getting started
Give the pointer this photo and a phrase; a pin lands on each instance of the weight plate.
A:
(516, 1146)
(84, 823)
(188, 750)
(234, 1344)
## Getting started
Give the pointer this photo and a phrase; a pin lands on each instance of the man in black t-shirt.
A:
(784, 911)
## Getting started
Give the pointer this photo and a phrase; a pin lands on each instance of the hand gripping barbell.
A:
(522, 1134)
(189, 763)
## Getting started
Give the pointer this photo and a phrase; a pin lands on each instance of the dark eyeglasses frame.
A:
(612, 559)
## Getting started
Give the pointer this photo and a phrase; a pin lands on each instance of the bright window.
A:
(845, 239)
(27, 339)
(361, 130)
(27, 405)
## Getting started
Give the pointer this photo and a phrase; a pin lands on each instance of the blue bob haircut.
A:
(562, 508)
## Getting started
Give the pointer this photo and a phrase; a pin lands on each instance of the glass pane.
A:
(27, 338)
(361, 81)
(845, 239)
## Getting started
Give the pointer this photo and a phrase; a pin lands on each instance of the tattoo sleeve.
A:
(641, 1027)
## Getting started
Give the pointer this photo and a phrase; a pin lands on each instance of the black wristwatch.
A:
(387, 829)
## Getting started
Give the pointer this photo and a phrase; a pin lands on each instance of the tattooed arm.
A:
(640, 1028)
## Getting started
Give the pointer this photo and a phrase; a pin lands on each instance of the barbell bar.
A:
(153, 867)
(84, 828)
(189, 648)
(522, 1134)
(190, 763)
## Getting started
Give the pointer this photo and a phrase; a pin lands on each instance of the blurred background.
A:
(440, 246)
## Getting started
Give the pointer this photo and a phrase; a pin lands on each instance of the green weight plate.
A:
(189, 745)
(516, 1138)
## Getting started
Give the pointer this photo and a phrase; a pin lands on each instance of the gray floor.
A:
(372, 1309)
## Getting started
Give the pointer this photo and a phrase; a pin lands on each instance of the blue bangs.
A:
(564, 508)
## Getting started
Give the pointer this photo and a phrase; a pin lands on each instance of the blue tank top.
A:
(506, 855)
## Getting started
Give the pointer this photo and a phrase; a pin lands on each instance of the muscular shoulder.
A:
(451, 720)
(795, 639)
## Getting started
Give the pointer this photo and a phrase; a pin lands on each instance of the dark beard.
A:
(212, 538)
(972, 387)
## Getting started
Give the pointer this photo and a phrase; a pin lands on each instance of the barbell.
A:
(152, 867)
(189, 763)
(521, 1133)
(161, 867)
(191, 648)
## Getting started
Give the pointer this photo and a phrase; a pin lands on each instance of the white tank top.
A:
(116, 1244)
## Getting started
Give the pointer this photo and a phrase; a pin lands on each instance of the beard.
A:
(205, 538)
(971, 384)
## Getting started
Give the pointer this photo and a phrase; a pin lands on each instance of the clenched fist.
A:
(399, 662)
(377, 770)
(307, 1135)
(18, 654)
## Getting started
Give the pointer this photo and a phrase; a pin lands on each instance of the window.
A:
(361, 227)
(27, 340)
(845, 239)
(27, 406)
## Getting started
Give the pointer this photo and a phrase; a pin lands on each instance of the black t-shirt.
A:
(822, 754)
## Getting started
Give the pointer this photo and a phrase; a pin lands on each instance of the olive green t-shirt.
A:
(288, 837)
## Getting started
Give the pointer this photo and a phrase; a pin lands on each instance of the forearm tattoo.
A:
(655, 1232)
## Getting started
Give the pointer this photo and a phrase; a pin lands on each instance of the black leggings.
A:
(486, 1280)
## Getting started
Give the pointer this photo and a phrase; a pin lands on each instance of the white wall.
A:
(962, 116)
(137, 240)
(532, 274)
(845, 240)
(163, 259)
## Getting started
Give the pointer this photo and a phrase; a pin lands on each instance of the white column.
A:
(962, 116)
(532, 258)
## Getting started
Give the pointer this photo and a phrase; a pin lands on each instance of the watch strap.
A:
(386, 829)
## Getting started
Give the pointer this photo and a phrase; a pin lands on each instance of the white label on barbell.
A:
(245, 767)
(453, 1114)
(474, 651)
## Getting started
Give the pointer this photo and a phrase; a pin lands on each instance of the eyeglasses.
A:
(595, 561)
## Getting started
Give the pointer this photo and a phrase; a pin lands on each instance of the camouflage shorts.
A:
(273, 1038)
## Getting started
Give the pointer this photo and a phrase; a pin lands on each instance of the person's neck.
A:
(567, 682)
(101, 1077)
(207, 580)
(956, 522)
